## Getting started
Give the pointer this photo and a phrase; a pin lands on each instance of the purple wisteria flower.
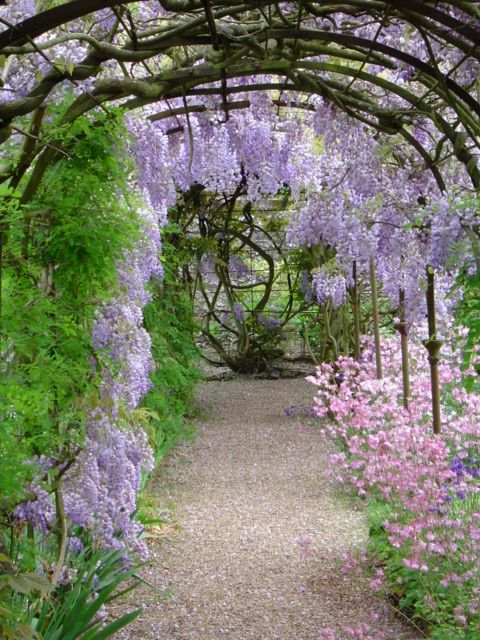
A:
(269, 322)
(101, 487)
(329, 286)
(239, 312)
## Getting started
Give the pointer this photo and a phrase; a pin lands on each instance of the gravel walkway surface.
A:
(261, 532)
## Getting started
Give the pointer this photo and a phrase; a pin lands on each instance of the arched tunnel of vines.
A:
(239, 320)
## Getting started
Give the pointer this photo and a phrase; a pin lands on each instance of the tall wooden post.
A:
(433, 347)
(356, 311)
(375, 318)
(401, 327)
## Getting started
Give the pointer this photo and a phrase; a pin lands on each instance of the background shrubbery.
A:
(171, 326)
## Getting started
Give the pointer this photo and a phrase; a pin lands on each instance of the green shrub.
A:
(170, 323)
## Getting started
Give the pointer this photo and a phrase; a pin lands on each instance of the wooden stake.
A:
(356, 311)
(401, 327)
(376, 322)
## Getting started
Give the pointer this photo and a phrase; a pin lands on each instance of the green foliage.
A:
(72, 608)
(468, 315)
(61, 248)
(59, 261)
(87, 224)
(81, 601)
(467, 288)
(169, 321)
(414, 590)
(60, 254)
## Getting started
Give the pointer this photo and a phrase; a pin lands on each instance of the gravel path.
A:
(261, 532)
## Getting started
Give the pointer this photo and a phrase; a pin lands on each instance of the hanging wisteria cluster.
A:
(353, 195)
(218, 155)
(101, 489)
(370, 207)
(329, 287)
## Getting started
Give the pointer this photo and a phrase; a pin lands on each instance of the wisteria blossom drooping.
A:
(101, 488)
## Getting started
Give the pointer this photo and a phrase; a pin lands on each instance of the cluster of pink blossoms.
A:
(428, 486)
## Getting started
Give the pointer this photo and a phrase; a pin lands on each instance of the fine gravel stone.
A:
(257, 532)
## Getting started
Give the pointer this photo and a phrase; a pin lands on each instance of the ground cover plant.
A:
(421, 489)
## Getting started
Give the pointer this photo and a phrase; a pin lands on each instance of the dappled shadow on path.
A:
(262, 531)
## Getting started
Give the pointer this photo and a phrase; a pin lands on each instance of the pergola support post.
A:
(433, 347)
(356, 312)
(375, 318)
(401, 327)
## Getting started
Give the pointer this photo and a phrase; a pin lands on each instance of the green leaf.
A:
(111, 629)
(28, 582)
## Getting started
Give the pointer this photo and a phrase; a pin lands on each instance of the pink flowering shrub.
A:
(422, 489)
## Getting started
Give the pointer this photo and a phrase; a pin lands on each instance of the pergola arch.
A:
(274, 43)
(97, 200)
